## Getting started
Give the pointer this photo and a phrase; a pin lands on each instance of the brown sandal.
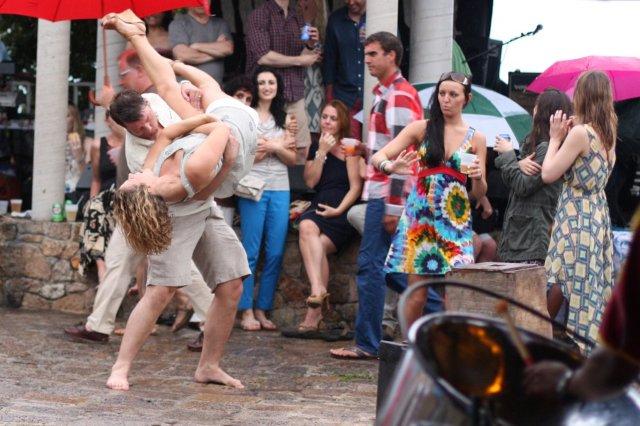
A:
(317, 301)
(357, 354)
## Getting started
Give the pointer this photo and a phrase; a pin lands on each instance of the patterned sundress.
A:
(580, 251)
(434, 232)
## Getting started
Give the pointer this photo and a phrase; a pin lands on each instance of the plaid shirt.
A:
(268, 29)
(396, 104)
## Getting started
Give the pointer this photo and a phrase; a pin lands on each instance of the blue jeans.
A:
(268, 218)
(371, 279)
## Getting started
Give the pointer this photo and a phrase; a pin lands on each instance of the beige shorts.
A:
(210, 242)
(303, 137)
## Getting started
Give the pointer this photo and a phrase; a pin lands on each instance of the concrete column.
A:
(115, 45)
(50, 138)
(382, 15)
(431, 39)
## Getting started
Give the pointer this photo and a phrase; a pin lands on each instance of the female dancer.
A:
(267, 217)
(324, 228)
(198, 228)
(532, 203)
(579, 262)
(434, 232)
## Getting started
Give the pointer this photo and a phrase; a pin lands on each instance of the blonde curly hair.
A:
(144, 219)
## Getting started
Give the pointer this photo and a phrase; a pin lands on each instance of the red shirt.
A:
(396, 104)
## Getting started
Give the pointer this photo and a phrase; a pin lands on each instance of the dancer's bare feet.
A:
(215, 375)
(126, 23)
(119, 378)
(265, 323)
(249, 322)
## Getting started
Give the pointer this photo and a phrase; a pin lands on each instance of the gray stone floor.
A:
(46, 378)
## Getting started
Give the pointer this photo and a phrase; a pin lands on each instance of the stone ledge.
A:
(36, 272)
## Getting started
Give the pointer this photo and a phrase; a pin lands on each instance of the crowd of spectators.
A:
(304, 77)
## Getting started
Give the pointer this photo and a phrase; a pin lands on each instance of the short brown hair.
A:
(127, 107)
(388, 42)
(144, 219)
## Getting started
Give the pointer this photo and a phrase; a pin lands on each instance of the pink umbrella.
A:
(624, 73)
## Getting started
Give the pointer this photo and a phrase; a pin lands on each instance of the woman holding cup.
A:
(434, 232)
(332, 169)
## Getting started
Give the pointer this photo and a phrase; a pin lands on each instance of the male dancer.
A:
(120, 259)
(195, 222)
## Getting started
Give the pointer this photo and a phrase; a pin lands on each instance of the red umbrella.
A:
(623, 72)
(64, 10)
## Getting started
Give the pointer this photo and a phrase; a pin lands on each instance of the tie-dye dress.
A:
(434, 232)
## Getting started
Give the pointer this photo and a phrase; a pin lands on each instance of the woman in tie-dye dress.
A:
(434, 231)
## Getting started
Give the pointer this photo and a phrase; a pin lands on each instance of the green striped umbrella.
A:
(489, 112)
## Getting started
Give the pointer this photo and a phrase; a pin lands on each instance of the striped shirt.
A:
(396, 104)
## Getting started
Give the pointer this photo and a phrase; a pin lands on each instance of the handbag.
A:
(250, 187)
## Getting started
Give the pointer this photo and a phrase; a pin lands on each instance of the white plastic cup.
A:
(350, 145)
(4, 206)
(466, 161)
(71, 211)
(16, 205)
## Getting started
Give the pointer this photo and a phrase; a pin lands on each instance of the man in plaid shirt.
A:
(273, 39)
(396, 105)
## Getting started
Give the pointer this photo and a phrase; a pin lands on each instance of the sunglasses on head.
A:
(458, 77)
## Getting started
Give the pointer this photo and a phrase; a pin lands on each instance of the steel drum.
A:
(462, 369)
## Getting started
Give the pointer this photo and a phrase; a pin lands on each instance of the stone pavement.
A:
(46, 378)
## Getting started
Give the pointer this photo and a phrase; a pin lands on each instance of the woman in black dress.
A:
(333, 172)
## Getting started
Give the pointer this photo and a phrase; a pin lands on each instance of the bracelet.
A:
(563, 384)
(383, 166)
(320, 155)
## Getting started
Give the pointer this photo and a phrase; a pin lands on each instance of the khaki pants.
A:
(121, 262)
(303, 137)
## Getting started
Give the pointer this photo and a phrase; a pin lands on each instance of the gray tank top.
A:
(188, 144)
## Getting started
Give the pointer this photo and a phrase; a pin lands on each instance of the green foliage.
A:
(20, 35)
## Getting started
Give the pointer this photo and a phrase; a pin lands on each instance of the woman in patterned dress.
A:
(579, 259)
(434, 232)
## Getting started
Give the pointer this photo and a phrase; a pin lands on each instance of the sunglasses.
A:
(125, 72)
(458, 77)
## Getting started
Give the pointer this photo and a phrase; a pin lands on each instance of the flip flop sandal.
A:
(359, 354)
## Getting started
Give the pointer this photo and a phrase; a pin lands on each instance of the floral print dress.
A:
(434, 232)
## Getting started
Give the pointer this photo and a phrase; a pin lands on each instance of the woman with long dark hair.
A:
(268, 216)
(532, 203)
(582, 150)
(434, 232)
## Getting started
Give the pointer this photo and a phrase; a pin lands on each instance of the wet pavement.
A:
(46, 378)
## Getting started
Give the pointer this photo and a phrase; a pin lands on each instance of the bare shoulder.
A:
(479, 140)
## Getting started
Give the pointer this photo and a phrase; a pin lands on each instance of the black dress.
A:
(330, 190)
(107, 168)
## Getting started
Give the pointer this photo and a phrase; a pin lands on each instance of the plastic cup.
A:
(4, 206)
(16, 205)
(71, 211)
(466, 161)
(350, 146)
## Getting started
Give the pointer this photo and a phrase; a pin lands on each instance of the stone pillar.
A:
(115, 45)
(50, 137)
(382, 15)
(431, 39)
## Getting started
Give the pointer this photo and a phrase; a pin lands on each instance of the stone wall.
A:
(38, 266)
(38, 270)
